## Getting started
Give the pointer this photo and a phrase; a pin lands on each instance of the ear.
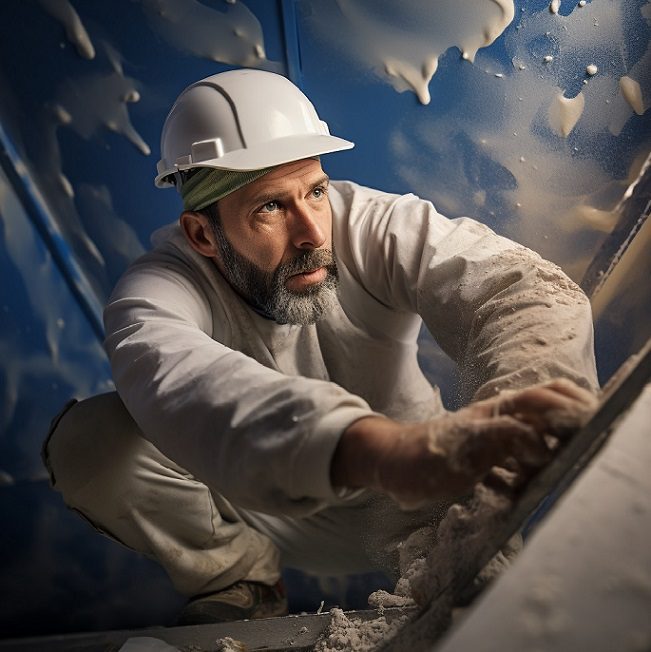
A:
(199, 233)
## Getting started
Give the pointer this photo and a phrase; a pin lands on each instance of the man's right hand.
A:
(445, 457)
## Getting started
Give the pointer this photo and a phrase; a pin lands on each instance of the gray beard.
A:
(267, 293)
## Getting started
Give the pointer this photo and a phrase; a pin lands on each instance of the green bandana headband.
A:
(208, 185)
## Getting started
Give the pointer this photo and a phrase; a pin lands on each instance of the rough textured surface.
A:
(584, 580)
(438, 564)
(352, 635)
(228, 644)
(435, 561)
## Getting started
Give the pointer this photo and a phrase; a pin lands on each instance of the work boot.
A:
(239, 601)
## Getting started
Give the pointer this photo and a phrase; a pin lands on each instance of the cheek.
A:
(329, 232)
(259, 245)
(266, 249)
(327, 226)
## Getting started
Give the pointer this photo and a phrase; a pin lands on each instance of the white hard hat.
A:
(241, 120)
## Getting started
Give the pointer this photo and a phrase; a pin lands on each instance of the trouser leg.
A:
(358, 535)
(106, 470)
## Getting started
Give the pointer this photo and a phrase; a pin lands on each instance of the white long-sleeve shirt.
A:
(255, 409)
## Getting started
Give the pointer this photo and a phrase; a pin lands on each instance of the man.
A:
(271, 409)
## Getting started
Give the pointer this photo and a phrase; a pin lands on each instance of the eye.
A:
(270, 207)
(319, 192)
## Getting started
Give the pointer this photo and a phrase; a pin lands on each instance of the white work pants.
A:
(107, 471)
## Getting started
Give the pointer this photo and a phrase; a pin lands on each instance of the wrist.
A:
(361, 446)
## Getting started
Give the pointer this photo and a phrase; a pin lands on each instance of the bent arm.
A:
(262, 439)
(508, 318)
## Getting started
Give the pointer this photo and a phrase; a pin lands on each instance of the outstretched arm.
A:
(510, 320)
(443, 458)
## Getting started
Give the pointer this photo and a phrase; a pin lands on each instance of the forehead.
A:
(293, 171)
(283, 179)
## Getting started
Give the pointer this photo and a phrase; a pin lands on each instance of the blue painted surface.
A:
(59, 262)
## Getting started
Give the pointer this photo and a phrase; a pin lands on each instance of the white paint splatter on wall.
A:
(553, 186)
(70, 348)
(65, 13)
(233, 36)
(405, 52)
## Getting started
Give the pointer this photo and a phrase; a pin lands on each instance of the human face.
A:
(274, 242)
(279, 216)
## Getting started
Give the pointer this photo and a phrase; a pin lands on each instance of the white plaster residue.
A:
(62, 115)
(402, 42)
(66, 185)
(591, 70)
(353, 635)
(564, 185)
(118, 239)
(226, 644)
(554, 6)
(87, 105)
(47, 294)
(640, 73)
(49, 181)
(232, 36)
(100, 100)
(20, 246)
(65, 13)
(565, 112)
(406, 77)
(131, 95)
(632, 93)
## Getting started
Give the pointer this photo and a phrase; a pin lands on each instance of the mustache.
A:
(306, 262)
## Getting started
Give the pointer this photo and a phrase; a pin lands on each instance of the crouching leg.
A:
(127, 489)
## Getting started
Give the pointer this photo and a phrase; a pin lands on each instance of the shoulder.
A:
(346, 196)
(368, 213)
(351, 201)
(171, 250)
(171, 264)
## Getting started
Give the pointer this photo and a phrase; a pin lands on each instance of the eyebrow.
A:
(266, 197)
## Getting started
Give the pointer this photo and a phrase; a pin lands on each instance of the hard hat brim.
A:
(264, 155)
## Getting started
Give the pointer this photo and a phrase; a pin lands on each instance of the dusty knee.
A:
(94, 442)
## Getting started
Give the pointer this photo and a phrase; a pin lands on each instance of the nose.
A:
(306, 228)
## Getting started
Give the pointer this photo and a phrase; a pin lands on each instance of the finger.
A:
(534, 399)
(505, 481)
(551, 394)
(571, 389)
(548, 411)
(498, 438)
(488, 407)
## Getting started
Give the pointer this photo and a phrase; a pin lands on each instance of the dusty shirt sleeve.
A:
(508, 317)
(262, 439)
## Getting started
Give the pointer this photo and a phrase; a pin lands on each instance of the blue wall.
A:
(80, 116)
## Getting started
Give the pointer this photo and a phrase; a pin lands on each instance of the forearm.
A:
(357, 456)
(443, 458)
